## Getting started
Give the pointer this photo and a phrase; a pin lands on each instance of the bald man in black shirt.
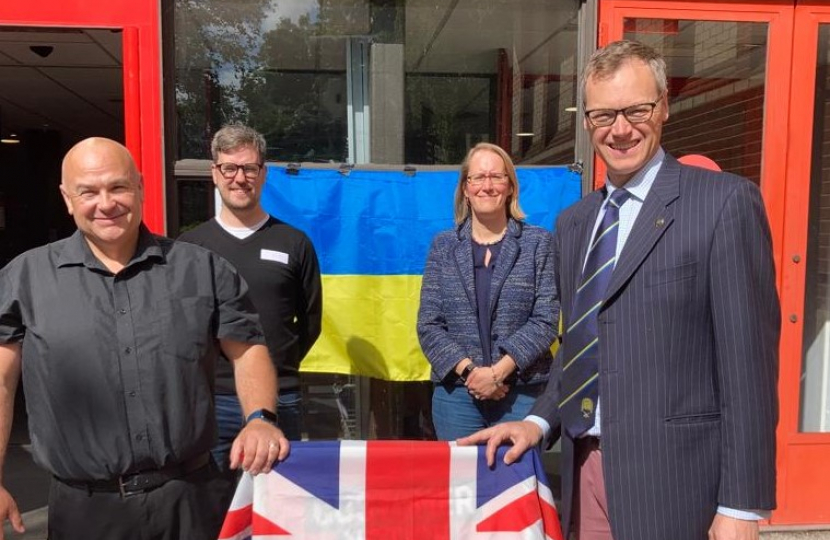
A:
(116, 332)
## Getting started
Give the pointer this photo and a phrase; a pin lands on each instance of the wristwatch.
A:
(262, 414)
(466, 372)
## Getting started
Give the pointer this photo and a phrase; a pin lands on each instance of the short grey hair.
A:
(235, 136)
(606, 61)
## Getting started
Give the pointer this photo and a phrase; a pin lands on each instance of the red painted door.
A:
(750, 88)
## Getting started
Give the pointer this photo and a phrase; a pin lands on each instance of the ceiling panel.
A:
(75, 86)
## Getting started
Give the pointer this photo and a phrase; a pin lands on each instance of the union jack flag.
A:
(394, 490)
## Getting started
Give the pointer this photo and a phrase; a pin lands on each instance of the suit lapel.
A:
(575, 245)
(655, 217)
(585, 227)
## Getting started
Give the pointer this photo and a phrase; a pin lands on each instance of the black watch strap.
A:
(262, 414)
(466, 371)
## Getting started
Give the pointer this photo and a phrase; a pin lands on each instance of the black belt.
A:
(131, 484)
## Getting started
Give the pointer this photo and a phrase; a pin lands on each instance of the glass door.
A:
(805, 361)
(724, 102)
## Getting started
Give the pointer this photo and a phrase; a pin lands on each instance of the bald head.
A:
(95, 152)
(104, 194)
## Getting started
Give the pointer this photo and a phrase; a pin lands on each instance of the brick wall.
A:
(727, 129)
(716, 89)
(817, 305)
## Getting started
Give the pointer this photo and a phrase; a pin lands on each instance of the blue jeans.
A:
(455, 413)
(230, 421)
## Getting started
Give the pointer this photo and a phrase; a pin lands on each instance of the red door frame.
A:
(785, 177)
(805, 456)
(140, 22)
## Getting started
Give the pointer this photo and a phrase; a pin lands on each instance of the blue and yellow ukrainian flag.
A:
(372, 231)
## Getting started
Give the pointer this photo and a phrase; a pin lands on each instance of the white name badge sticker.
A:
(271, 255)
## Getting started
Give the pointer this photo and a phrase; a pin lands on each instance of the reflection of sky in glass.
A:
(227, 75)
(288, 9)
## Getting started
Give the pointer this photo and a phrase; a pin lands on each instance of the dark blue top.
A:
(483, 278)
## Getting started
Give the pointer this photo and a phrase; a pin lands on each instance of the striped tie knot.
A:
(619, 197)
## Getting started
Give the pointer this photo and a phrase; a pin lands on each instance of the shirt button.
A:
(122, 311)
(139, 437)
(132, 393)
(128, 350)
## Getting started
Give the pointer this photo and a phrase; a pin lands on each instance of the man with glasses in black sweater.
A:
(280, 266)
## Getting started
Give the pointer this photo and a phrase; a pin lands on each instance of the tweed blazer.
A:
(523, 306)
(688, 356)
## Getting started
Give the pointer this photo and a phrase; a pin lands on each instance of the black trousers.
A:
(192, 507)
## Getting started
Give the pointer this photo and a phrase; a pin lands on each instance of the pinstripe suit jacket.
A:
(688, 355)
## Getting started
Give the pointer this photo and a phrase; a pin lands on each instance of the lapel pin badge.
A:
(660, 222)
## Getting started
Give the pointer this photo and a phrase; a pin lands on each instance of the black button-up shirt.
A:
(118, 368)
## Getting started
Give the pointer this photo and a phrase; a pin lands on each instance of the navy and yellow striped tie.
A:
(580, 376)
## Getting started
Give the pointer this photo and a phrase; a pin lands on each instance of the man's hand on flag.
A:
(8, 510)
(522, 435)
(257, 446)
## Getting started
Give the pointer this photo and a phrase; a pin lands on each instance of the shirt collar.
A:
(253, 228)
(640, 184)
(77, 251)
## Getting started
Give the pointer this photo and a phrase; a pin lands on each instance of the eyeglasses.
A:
(229, 170)
(496, 178)
(635, 114)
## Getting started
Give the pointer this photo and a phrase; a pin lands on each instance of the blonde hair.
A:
(512, 208)
(605, 62)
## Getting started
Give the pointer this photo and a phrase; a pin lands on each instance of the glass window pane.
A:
(717, 76)
(278, 66)
(195, 202)
(484, 70)
(445, 116)
(815, 375)
(399, 81)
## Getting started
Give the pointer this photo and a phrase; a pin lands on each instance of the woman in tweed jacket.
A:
(488, 311)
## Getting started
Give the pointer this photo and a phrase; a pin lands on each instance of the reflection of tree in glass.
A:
(293, 111)
(298, 96)
(288, 80)
(216, 41)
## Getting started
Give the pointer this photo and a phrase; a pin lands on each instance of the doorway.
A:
(60, 85)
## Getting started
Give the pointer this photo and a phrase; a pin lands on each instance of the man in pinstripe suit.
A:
(681, 442)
